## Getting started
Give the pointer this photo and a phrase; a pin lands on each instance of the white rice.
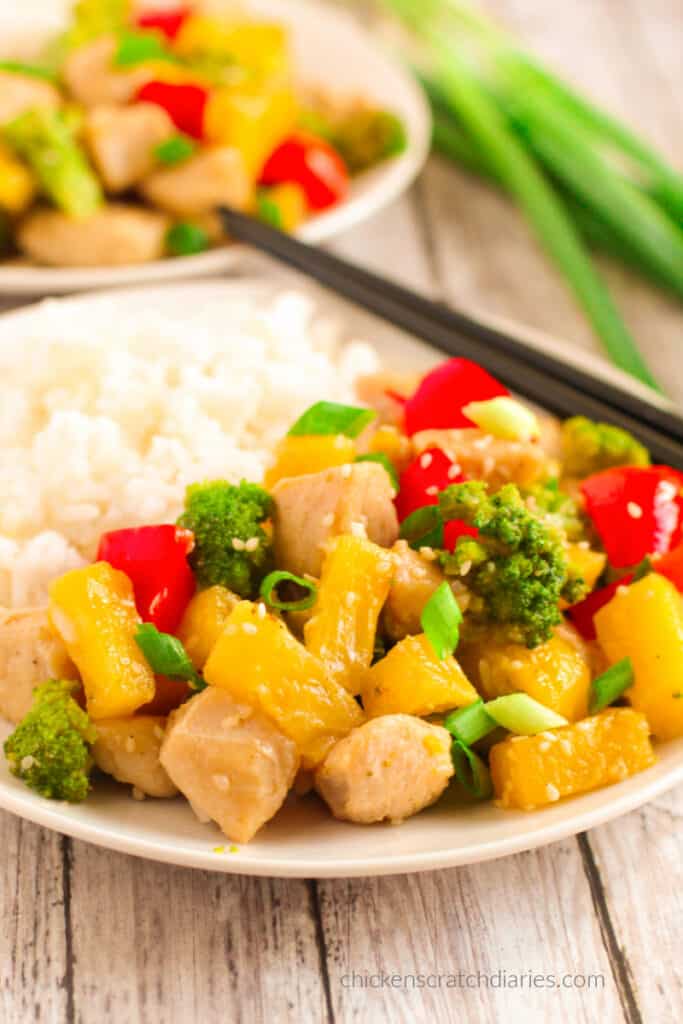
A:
(105, 419)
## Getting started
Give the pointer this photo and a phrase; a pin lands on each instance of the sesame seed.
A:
(221, 782)
(465, 567)
(249, 627)
(137, 794)
(552, 792)
(544, 746)
(27, 762)
(358, 529)
(346, 471)
(488, 465)
(453, 471)
(583, 544)
(634, 510)
(130, 745)
(237, 544)
(328, 519)
(621, 590)
(517, 664)
(158, 732)
(548, 736)
(432, 490)
(251, 544)
(261, 610)
(428, 553)
(350, 599)
(426, 460)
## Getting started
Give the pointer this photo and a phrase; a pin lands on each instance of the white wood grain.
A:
(34, 959)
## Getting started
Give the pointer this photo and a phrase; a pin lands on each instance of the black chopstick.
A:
(562, 387)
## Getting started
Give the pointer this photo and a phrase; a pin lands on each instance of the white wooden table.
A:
(92, 936)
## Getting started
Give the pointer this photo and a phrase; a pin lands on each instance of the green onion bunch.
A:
(582, 178)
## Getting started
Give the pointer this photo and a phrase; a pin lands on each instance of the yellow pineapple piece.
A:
(299, 455)
(354, 584)
(203, 622)
(258, 661)
(645, 623)
(93, 610)
(586, 563)
(397, 446)
(533, 771)
(17, 183)
(413, 680)
(556, 673)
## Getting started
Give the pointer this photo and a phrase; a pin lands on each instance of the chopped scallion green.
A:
(166, 655)
(523, 715)
(17, 67)
(272, 581)
(471, 771)
(470, 724)
(175, 150)
(326, 418)
(186, 239)
(136, 47)
(440, 620)
(268, 210)
(423, 528)
(383, 460)
(611, 684)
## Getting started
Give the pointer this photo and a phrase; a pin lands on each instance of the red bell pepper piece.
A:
(419, 485)
(671, 566)
(155, 560)
(583, 612)
(438, 402)
(169, 21)
(635, 510)
(311, 163)
(184, 103)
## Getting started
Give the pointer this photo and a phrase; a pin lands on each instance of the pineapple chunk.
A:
(390, 441)
(203, 622)
(93, 610)
(586, 563)
(17, 183)
(297, 456)
(412, 680)
(645, 623)
(533, 771)
(556, 673)
(354, 585)
(258, 661)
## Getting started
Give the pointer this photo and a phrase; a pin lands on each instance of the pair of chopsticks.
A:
(561, 387)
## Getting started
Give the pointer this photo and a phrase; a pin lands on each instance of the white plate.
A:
(303, 840)
(330, 49)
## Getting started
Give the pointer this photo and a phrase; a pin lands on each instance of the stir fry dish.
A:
(439, 587)
(118, 144)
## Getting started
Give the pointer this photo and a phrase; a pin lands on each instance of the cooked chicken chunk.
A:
(484, 457)
(116, 235)
(382, 391)
(30, 654)
(122, 140)
(388, 768)
(415, 580)
(92, 78)
(128, 749)
(311, 509)
(19, 93)
(201, 183)
(230, 761)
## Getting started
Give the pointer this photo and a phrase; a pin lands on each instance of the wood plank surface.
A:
(91, 936)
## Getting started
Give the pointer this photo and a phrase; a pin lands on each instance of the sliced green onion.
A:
(383, 460)
(272, 581)
(470, 724)
(166, 655)
(175, 150)
(185, 239)
(136, 47)
(471, 771)
(326, 418)
(440, 620)
(523, 715)
(423, 528)
(268, 210)
(611, 684)
(17, 67)
(642, 569)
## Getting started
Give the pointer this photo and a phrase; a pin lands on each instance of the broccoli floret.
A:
(516, 568)
(589, 447)
(45, 139)
(556, 508)
(50, 748)
(231, 546)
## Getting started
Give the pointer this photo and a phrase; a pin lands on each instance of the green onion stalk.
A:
(579, 175)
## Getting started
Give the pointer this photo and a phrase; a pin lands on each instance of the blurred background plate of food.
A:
(124, 126)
